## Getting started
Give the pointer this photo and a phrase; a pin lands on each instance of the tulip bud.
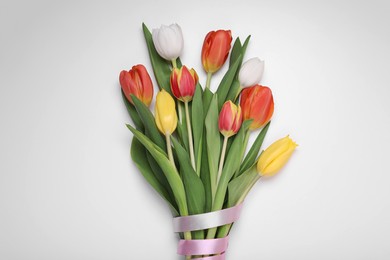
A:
(183, 83)
(251, 72)
(275, 156)
(166, 118)
(168, 41)
(215, 50)
(137, 82)
(257, 103)
(230, 119)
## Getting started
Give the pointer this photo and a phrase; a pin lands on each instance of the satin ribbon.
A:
(207, 220)
(203, 247)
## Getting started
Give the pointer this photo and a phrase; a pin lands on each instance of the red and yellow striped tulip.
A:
(215, 50)
(137, 82)
(257, 103)
(230, 119)
(183, 83)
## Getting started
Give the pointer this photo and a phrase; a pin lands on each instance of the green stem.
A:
(190, 141)
(209, 74)
(174, 63)
(179, 111)
(169, 149)
(187, 236)
(212, 231)
(222, 160)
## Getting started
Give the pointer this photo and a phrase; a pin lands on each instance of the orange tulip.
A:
(183, 83)
(230, 119)
(257, 103)
(137, 82)
(216, 47)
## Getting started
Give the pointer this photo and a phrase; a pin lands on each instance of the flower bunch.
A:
(192, 149)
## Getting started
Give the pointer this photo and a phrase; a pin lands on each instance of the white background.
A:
(68, 189)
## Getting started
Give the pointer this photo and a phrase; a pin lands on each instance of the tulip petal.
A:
(275, 156)
(166, 118)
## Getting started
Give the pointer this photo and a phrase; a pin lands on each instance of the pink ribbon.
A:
(203, 247)
(208, 220)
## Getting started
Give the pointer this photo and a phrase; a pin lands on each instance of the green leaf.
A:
(192, 183)
(182, 126)
(167, 167)
(234, 91)
(158, 173)
(149, 123)
(197, 125)
(226, 82)
(205, 175)
(231, 165)
(236, 51)
(240, 186)
(133, 113)
(161, 67)
(213, 141)
(250, 158)
(207, 97)
(244, 46)
(138, 154)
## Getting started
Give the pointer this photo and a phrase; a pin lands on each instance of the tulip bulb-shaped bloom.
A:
(137, 82)
(166, 118)
(183, 83)
(275, 156)
(230, 119)
(257, 103)
(251, 72)
(229, 122)
(216, 47)
(168, 41)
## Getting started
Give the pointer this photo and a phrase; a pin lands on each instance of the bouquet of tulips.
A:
(192, 149)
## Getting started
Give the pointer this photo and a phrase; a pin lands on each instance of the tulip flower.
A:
(251, 72)
(257, 103)
(229, 122)
(166, 118)
(168, 41)
(137, 82)
(275, 156)
(183, 83)
(230, 119)
(215, 50)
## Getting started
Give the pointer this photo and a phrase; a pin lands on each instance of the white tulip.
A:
(251, 72)
(168, 41)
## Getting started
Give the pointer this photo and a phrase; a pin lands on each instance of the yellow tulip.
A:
(166, 118)
(275, 156)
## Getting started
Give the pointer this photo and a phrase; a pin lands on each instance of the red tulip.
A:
(183, 83)
(230, 119)
(257, 103)
(216, 47)
(137, 82)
